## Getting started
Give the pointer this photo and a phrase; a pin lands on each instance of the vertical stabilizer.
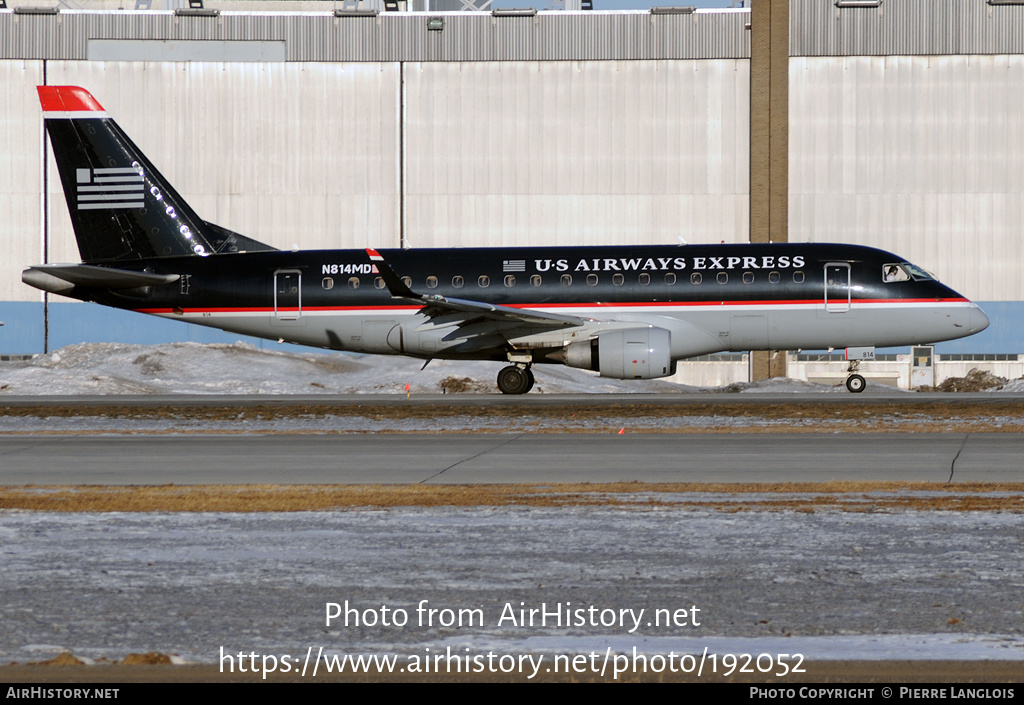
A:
(121, 207)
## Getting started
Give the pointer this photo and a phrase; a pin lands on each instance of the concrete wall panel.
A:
(920, 155)
(20, 177)
(562, 153)
(286, 153)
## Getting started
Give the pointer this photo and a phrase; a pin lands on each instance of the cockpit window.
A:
(916, 273)
(904, 271)
(894, 273)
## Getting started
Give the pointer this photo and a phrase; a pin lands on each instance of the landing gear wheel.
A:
(515, 380)
(529, 375)
(856, 384)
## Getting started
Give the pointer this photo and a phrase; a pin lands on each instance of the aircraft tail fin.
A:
(121, 207)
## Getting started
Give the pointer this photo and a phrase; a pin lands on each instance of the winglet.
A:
(394, 283)
(68, 101)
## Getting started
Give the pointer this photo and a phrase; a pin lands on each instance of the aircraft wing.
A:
(440, 305)
(436, 306)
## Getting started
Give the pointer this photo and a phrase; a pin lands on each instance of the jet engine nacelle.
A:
(629, 353)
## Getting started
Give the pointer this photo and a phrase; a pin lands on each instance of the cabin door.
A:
(837, 287)
(287, 294)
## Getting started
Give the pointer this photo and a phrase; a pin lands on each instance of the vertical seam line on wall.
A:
(46, 226)
(402, 240)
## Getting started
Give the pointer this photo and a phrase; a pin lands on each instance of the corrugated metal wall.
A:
(920, 155)
(495, 153)
(286, 153)
(818, 28)
(548, 36)
(21, 179)
(905, 28)
(535, 153)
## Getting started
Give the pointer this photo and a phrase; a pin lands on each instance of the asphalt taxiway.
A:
(464, 458)
(201, 439)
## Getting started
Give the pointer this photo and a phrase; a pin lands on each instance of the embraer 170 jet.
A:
(624, 312)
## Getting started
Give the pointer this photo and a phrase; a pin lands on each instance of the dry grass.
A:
(805, 497)
(150, 658)
(64, 658)
(514, 409)
(997, 416)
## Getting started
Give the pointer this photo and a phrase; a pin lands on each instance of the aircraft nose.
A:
(977, 320)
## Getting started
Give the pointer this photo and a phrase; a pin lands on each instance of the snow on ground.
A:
(193, 368)
(828, 584)
(1014, 386)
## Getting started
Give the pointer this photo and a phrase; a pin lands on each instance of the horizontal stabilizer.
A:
(57, 278)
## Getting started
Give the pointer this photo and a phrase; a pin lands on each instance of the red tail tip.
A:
(65, 99)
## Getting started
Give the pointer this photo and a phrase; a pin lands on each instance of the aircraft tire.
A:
(514, 380)
(856, 383)
(529, 376)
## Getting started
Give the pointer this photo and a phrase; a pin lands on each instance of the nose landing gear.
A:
(855, 383)
(515, 379)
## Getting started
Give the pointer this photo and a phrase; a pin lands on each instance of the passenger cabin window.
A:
(328, 283)
(592, 279)
(894, 273)
(407, 281)
(798, 277)
(748, 277)
(483, 281)
(644, 279)
(774, 277)
(696, 278)
(618, 279)
(723, 278)
(670, 278)
(510, 280)
(535, 280)
(458, 282)
(566, 280)
(378, 283)
(431, 282)
(353, 282)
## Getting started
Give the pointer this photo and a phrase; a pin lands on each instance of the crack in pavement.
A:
(472, 457)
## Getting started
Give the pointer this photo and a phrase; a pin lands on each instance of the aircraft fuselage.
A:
(712, 298)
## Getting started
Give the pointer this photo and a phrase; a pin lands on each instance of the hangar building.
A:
(334, 129)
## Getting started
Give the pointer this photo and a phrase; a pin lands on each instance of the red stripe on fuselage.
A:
(589, 304)
(753, 302)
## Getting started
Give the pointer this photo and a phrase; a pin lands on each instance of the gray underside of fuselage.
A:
(693, 332)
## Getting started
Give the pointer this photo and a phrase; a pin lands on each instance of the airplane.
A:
(626, 312)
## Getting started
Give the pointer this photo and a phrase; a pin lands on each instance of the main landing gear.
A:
(515, 379)
(855, 383)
